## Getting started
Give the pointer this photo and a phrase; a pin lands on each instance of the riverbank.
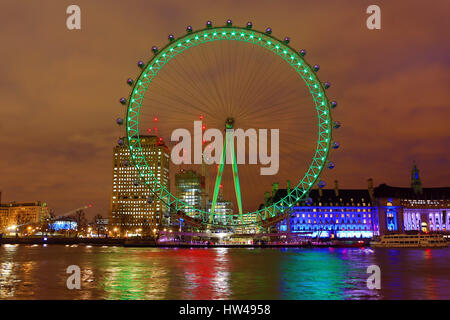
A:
(151, 243)
(64, 241)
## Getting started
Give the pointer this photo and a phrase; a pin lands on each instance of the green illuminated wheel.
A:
(277, 48)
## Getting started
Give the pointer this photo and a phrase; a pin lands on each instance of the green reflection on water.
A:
(133, 276)
(317, 274)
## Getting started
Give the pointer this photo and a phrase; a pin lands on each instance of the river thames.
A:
(39, 272)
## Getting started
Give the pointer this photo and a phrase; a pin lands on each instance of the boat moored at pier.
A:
(410, 241)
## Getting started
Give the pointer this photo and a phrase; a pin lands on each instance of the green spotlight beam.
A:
(228, 145)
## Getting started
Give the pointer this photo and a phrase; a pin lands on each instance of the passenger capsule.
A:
(333, 104)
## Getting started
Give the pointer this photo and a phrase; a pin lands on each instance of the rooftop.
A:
(385, 191)
(23, 204)
(329, 196)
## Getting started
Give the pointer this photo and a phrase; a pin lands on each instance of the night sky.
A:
(60, 88)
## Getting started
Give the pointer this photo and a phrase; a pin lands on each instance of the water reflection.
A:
(37, 272)
(133, 274)
(326, 274)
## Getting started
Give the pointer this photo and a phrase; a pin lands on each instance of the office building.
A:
(134, 207)
(190, 187)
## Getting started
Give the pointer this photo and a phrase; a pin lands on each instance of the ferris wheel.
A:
(234, 77)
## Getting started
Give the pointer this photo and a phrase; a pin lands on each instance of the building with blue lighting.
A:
(413, 209)
(364, 213)
(64, 224)
(330, 213)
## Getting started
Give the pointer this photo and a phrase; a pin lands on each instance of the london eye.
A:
(232, 77)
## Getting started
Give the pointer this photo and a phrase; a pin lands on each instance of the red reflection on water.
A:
(430, 284)
(427, 254)
(205, 271)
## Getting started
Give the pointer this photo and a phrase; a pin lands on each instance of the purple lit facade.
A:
(331, 213)
(365, 213)
(426, 211)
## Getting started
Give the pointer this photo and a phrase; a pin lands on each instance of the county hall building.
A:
(364, 213)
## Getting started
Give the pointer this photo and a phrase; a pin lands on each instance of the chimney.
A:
(274, 188)
(336, 188)
(266, 198)
(370, 187)
(288, 186)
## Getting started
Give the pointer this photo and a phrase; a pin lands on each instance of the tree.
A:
(46, 222)
(98, 223)
(80, 219)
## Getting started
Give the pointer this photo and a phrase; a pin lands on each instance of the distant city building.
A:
(223, 209)
(17, 215)
(133, 205)
(102, 222)
(359, 213)
(247, 224)
(190, 187)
